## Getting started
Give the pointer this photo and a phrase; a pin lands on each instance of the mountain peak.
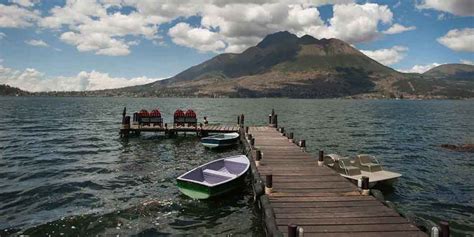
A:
(278, 38)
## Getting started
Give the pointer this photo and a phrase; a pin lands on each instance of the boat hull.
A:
(213, 143)
(199, 191)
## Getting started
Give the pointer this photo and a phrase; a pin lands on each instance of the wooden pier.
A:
(301, 194)
(295, 192)
(201, 131)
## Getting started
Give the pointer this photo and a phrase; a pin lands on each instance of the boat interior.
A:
(216, 172)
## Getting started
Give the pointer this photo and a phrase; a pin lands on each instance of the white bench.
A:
(218, 173)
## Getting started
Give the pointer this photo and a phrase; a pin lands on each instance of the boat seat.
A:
(218, 173)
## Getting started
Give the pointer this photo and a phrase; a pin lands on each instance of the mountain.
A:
(452, 72)
(6, 90)
(285, 65)
(281, 65)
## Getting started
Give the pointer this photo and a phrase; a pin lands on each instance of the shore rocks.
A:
(461, 148)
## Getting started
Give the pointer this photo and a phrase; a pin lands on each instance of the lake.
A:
(65, 170)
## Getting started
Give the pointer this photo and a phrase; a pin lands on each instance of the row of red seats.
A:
(156, 113)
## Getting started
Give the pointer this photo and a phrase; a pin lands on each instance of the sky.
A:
(77, 45)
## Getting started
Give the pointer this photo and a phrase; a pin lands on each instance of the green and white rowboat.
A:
(214, 178)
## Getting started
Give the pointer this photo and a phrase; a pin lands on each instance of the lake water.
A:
(64, 169)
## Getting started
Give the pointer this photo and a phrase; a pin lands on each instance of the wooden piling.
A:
(292, 230)
(290, 136)
(302, 144)
(268, 184)
(444, 228)
(247, 129)
(258, 157)
(365, 186)
(321, 158)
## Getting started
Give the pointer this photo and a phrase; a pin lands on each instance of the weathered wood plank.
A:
(343, 221)
(356, 228)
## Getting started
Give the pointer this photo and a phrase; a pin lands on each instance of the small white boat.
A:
(362, 165)
(214, 178)
(220, 140)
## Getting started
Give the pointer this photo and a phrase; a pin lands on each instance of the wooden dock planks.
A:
(206, 128)
(317, 198)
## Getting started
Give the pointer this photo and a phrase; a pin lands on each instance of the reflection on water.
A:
(63, 168)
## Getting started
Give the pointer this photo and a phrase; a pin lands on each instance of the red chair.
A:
(144, 117)
(191, 118)
(179, 118)
(155, 118)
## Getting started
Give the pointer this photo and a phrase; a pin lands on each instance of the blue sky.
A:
(59, 45)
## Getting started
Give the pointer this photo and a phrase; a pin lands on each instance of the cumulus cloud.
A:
(32, 80)
(198, 38)
(397, 28)
(13, 16)
(456, 7)
(25, 3)
(419, 68)
(102, 28)
(100, 43)
(459, 39)
(468, 62)
(387, 56)
(37, 43)
(241, 25)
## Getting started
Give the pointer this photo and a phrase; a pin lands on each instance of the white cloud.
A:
(93, 26)
(25, 3)
(397, 28)
(32, 80)
(387, 56)
(100, 43)
(358, 23)
(468, 62)
(420, 68)
(38, 43)
(456, 7)
(13, 16)
(198, 38)
(241, 25)
(459, 39)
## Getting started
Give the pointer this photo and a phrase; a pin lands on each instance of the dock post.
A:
(290, 137)
(268, 184)
(242, 117)
(249, 136)
(247, 129)
(365, 186)
(444, 226)
(302, 145)
(238, 119)
(269, 120)
(252, 143)
(258, 157)
(275, 121)
(282, 130)
(434, 231)
(292, 230)
(300, 231)
(125, 129)
(321, 158)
